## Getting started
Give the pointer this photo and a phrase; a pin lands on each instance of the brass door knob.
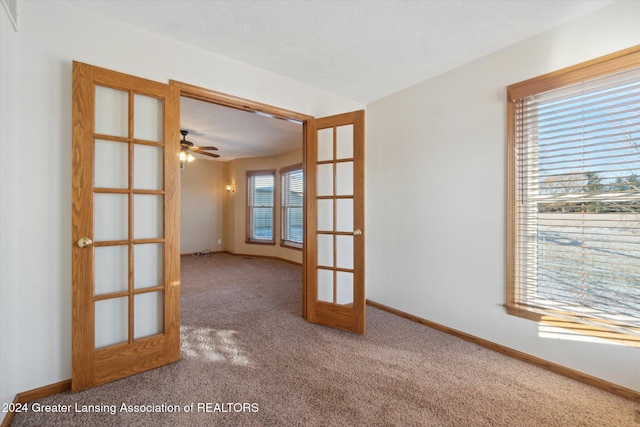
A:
(85, 242)
(357, 232)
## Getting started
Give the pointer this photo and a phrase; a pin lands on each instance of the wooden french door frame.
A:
(91, 366)
(352, 317)
(243, 104)
(96, 363)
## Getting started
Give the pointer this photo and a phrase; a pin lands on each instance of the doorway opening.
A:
(249, 137)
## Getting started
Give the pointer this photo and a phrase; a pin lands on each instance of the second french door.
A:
(334, 268)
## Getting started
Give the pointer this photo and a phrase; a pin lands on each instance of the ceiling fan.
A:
(186, 147)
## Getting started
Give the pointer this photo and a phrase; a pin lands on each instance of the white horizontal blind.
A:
(577, 162)
(260, 206)
(292, 214)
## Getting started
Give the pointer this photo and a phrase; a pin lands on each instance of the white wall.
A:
(36, 192)
(442, 146)
(8, 217)
(202, 197)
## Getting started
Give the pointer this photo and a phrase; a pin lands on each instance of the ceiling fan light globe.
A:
(183, 156)
(190, 157)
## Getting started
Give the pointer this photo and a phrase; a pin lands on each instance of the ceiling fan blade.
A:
(205, 148)
(204, 153)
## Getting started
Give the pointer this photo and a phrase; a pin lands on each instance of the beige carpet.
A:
(247, 353)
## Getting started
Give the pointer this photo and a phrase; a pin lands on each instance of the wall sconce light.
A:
(231, 188)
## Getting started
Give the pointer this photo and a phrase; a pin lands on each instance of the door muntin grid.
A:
(335, 215)
(128, 216)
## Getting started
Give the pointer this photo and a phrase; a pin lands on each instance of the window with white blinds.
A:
(574, 196)
(261, 206)
(292, 187)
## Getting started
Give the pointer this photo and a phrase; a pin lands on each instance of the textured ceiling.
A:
(362, 50)
(237, 133)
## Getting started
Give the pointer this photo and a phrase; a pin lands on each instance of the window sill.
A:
(291, 246)
(574, 327)
(258, 242)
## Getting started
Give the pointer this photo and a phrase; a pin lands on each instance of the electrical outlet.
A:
(219, 241)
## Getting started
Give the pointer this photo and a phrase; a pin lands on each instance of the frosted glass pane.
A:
(324, 177)
(344, 288)
(147, 216)
(147, 262)
(111, 321)
(344, 251)
(325, 250)
(325, 215)
(325, 144)
(344, 142)
(147, 118)
(112, 112)
(111, 215)
(148, 310)
(111, 164)
(344, 178)
(111, 269)
(344, 215)
(325, 285)
(147, 167)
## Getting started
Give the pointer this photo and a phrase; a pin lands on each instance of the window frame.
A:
(599, 67)
(284, 172)
(251, 239)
